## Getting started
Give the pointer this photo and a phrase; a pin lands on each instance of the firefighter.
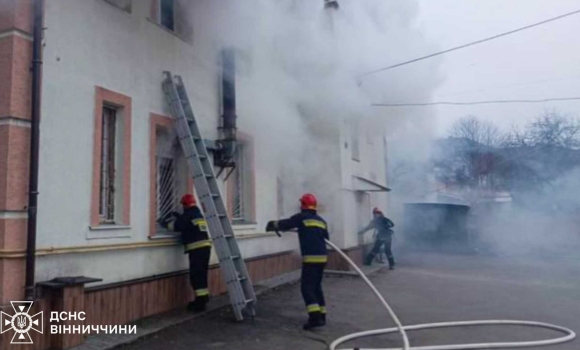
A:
(194, 236)
(312, 232)
(384, 234)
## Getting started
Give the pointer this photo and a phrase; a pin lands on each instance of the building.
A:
(110, 166)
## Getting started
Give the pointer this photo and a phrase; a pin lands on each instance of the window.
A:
(175, 16)
(165, 186)
(111, 183)
(169, 172)
(238, 213)
(355, 141)
(240, 186)
(108, 162)
(167, 14)
(124, 5)
(280, 196)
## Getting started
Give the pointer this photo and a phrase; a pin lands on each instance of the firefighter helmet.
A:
(188, 200)
(308, 201)
(377, 211)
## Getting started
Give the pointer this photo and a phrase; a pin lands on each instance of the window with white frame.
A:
(124, 5)
(109, 183)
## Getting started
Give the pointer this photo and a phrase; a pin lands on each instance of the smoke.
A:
(541, 224)
(298, 80)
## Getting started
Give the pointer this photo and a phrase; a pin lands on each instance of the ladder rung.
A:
(215, 195)
(249, 301)
(243, 278)
(221, 215)
(209, 176)
(234, 257)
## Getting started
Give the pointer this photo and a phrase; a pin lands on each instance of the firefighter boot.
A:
(391, 263)
(369, 259)
(315, 320)
(200, 303)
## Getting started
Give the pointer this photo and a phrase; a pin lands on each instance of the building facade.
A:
(110, 164)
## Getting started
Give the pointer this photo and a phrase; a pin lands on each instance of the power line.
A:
(448, 103)
(469, 44)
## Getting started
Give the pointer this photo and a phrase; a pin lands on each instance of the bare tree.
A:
(474, 130)
(555, 130)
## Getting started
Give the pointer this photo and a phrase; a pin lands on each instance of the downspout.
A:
(34, 147)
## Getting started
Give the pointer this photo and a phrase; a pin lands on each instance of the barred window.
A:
(171, 174)
(238, 213)
(108, 162)
(166, 186)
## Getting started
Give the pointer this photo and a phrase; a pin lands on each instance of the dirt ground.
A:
(425, 288)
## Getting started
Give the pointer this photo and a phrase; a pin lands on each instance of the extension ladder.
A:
(233, 268)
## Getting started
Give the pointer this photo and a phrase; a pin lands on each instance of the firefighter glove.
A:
(272, 226)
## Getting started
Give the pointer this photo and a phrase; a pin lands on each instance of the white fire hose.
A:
(569, 334)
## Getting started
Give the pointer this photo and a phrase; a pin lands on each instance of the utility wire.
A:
(449, 103)
(360, 77)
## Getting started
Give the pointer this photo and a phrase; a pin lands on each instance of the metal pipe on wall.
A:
(34, 147)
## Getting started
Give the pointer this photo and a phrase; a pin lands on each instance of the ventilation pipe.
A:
(226, 144)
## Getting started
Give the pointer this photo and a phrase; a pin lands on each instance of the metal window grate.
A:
(238, 213)
(107, 184)
(166, 186)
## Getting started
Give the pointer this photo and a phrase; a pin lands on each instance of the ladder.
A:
(233, 268)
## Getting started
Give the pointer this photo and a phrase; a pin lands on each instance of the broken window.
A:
(124, 5)
(108, 162)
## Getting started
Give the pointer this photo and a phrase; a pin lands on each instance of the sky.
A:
(543, 62)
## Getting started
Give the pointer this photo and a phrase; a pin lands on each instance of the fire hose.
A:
(569, 334)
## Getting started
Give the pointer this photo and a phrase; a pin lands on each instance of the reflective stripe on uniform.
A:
(314, 259)
(323, 309)
(315, 223)
(313, 308)
(197, 245)
(201, 223)
(201, 292)
(171, 226)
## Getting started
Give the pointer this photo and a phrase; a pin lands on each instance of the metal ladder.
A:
(233, 268)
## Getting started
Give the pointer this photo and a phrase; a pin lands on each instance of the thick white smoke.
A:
(298, 65)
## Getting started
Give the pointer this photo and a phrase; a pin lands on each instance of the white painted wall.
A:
(90, 43)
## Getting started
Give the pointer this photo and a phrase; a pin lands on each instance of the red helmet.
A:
(188, 200)
(377, 211)
(308, 201)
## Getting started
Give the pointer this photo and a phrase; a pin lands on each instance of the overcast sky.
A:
(542, 62)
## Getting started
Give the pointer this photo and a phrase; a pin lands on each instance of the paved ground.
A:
(425, 288)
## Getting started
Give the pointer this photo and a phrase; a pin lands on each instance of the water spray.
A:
(569, 335)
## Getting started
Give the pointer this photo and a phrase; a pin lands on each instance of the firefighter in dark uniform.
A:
(194, 236)
(312, 231)
(384, 236)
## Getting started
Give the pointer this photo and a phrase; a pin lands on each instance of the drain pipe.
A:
(34, 148)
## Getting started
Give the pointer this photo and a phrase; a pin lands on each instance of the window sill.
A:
(170, 31)
(109, 231)
(244, 226)
(163, 236)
